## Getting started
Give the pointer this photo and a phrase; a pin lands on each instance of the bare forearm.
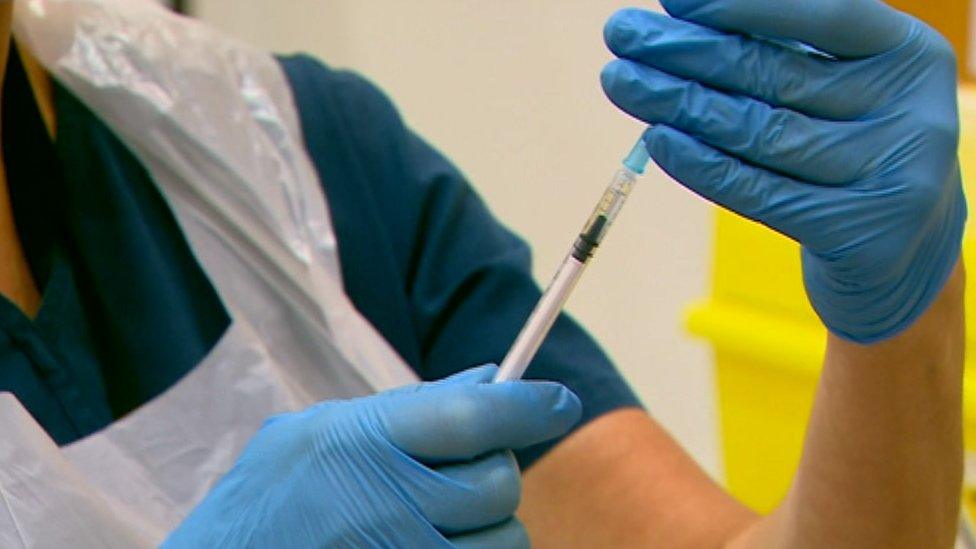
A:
(622, 481)
(882, 464)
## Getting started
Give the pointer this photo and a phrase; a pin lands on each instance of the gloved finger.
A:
(818, 151)
(479, 374)
(783, 204)
(471, 376)
(471, 495)
(733, 62)
(510, 535)
(845, 28)
(456, 422)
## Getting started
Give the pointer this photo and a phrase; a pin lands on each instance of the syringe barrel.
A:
(547, 309)
(604, 214)
(544, 315)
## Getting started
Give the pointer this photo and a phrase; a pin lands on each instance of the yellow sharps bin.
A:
(768, 343)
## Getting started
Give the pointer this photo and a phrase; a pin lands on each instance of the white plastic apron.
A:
(215, 124)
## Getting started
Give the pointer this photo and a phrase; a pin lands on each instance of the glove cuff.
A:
(869, 314)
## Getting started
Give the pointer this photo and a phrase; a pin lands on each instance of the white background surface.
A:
(510, 91)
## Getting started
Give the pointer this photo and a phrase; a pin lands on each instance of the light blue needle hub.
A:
(638, 158)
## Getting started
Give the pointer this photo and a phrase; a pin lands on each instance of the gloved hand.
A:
(832, 121)
(423, 466)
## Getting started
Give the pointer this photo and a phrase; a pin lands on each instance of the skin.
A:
(16, 282)
(881, 467)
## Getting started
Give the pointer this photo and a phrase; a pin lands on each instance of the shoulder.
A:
(338, 97)
(354, 133)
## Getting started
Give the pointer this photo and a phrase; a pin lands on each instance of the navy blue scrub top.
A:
(127, 311)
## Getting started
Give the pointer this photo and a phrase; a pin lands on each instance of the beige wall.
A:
(510, 91)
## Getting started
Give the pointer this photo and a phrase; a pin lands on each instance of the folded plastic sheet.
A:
(215, 124)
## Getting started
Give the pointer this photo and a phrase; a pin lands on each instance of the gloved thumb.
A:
(454, 421)
(479, 374)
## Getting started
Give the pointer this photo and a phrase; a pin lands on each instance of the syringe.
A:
(551, 303)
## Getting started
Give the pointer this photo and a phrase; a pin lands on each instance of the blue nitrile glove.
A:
(833, 122)
(424, 466)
